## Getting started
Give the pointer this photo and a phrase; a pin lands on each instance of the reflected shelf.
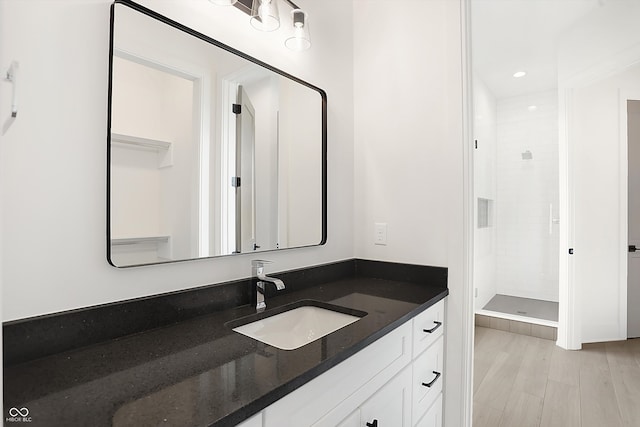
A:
(163, 148)
(139, 240)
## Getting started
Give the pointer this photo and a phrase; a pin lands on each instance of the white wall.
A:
(484, 169)
(527, 250)
(400, 135)
(409, 153)
(54, 154)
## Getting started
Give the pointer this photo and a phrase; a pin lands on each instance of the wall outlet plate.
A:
(380, 233)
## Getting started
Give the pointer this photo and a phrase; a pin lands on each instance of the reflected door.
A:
(633, 266)
(244, 181)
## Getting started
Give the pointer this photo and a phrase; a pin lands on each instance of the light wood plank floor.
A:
(522, 381)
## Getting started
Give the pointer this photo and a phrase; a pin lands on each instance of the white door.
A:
(245, 180)
(633, 266)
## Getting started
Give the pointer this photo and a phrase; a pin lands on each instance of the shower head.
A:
(527, 155)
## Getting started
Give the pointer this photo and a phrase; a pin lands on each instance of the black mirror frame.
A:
(183, 28)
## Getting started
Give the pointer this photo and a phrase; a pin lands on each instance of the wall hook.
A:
(12, 77)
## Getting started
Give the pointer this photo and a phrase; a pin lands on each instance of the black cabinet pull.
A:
(632, 248)
(429, 331)
(373, 424)
(433, 380)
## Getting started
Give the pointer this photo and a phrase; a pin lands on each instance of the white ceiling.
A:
(514, 35)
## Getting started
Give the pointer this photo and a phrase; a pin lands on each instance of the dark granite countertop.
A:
(199, 372)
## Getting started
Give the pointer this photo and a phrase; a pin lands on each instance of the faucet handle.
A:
(260, 262)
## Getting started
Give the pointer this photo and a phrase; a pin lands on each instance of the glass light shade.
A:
(264, 15)
(223, 2)
(299, 38)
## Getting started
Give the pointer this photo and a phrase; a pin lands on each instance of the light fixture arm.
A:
(292, 4)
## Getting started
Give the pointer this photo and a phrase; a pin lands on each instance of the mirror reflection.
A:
(211, 153)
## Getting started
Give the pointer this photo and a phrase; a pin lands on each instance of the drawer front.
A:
(428, 326)
(433, 417)
(427, 378)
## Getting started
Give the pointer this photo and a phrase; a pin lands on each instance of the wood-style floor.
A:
(524, 381)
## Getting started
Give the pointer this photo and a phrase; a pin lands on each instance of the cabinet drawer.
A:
(428, 326)
(433, 417)
(427, 378)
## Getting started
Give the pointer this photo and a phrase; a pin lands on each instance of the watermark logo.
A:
(18, 415)
(14, 412)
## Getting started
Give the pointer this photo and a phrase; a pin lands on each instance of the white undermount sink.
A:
(296, 327)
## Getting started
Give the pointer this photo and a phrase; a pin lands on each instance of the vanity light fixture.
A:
(299, 39)
(264, 16)
(519, 74)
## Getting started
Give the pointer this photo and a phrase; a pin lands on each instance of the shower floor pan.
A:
(523, 316)
(526, 307)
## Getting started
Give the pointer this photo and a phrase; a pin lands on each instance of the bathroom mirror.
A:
(210, 152)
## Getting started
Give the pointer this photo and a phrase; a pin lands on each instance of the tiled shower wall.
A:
(527, 196)
(484, 169)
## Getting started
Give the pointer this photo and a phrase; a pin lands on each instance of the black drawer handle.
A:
(433, 380)
(373, 424)
(430, 331)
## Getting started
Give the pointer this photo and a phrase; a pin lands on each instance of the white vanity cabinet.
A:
(394, 382)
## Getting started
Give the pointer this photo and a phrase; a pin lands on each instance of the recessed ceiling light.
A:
(519, 74)
(532, 108)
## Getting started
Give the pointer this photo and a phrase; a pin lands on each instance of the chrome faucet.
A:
(257, 271)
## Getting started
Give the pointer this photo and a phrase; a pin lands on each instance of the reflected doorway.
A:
(633, 263)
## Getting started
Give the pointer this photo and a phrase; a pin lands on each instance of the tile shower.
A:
(516, 186)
